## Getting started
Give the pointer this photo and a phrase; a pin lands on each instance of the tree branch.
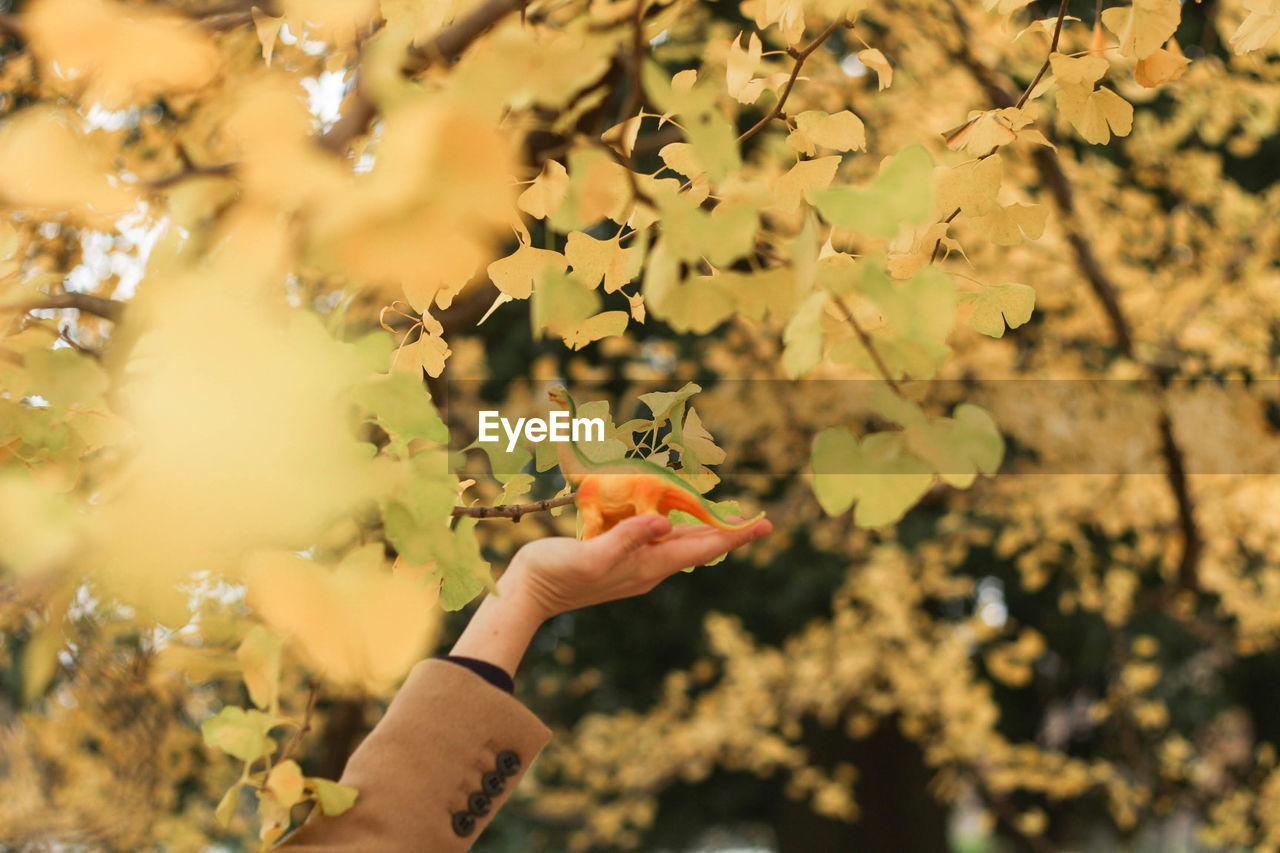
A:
(800, 56)
(107, 309)
(306, 724)
(445, 47)
(866, 342)
(512, 511)
(1053, 48)
(1049, 166)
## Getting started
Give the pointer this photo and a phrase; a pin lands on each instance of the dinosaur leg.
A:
(589, 511)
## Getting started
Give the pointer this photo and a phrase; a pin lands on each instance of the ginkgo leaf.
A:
(285, 782)
(125, 53)
(696, 440)
(692, 234)
(240, 733)
(561, 304)
(803, 180)
(1163, 66)
(877, 474)
(1144, 26)
(981, 134)
(842, 131)
(547, 192)
(802, 338)
(877, 62)
(679, 157)
(47, 166)
(623, 135)
(1096, 115)
(697, 305)
(972, 187)
(958, 449)
(1077, 71)
(1258, 27)
(334, 799)
(1006, 225)
(902, 192)
(358, 624)
(605, 325)
(259, 657)
(995, 306)
(741, 67)
(516, 274)
(595, 260)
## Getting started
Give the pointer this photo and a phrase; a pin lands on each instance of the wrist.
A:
(501, 628)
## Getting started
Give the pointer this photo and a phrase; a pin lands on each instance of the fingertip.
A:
(657, 525)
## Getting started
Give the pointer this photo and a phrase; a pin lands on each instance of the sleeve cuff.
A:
(495, 675)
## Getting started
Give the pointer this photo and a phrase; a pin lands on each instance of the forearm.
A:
(501, 629)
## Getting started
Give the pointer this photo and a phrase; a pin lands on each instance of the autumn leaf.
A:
(877, 62)
(901, 192)
(1144, 26)
(1165, 65)
(1258, 28)
(995, 306)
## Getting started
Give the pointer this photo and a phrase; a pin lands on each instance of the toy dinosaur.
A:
(609, 492)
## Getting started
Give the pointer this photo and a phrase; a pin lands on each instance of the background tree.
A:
(246, 335)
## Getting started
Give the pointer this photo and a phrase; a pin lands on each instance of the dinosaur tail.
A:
(685, 502)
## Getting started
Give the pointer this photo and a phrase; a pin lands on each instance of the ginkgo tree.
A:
(231, 491)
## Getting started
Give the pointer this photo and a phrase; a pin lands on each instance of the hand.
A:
(557, 574)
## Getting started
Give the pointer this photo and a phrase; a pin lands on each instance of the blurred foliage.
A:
(897, 246)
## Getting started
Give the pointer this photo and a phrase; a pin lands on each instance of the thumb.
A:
(630, 535)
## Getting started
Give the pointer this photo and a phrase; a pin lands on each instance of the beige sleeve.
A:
(423, 771)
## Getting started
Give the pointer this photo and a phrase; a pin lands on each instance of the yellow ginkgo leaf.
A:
(608, 324)
(547, 192)
(972, 187)
(741, 67)
(125, 54)
(1144, 26)
(1096, 115)
(1006, 225)
(877, 62)
(1262, 23)
(1165, 65)
(1077, 71)
(358, 624)
(516, 274)
(594, 260)
(842, 131)
(47, 166)
(983, 133)
(802, 180)
(285, 782)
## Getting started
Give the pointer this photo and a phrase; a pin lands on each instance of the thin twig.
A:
(107, 309)
(866, 342)
(306, 724)
(64, 334)
(1053, 48)
(512, 511)
(800, 56)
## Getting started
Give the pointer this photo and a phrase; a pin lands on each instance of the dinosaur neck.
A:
(574, 464)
